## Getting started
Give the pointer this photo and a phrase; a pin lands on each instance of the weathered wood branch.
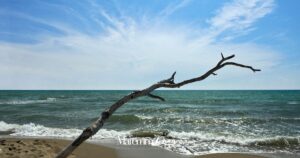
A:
(169, 80)
(156, 97)
(167, 83)
(241, 65)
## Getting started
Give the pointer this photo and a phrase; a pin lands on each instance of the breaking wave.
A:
(196, 142)
(23, 102)
(36, 130)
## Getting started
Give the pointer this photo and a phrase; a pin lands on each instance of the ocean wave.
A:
(148, 133)
(37, 130)
(125, 119)
(129, 119)
(135, 119)
(144, 117)
(192, 110)
(277, 141)
(22, 102)
(196, 142)
(202, 142)
(292, 102)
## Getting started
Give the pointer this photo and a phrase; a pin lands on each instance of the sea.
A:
(190, 122)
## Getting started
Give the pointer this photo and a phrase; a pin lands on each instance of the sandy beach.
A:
(47, 148)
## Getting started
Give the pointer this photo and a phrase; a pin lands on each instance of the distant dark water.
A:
(211, 121)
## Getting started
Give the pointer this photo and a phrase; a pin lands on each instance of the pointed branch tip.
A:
(173, 75)
(254, 70)
(241, 65)
(231, 56)
(222, 55)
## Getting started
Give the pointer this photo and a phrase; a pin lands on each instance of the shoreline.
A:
(192, 123)
(26, 147)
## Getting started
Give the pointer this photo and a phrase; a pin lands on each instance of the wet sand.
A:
(48, 148)
(229, 155)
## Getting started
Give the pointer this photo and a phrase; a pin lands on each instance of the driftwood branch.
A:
(169, 80)
(156, 97)
(167, 83)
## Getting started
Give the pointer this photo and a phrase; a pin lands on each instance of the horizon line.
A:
(155, 90)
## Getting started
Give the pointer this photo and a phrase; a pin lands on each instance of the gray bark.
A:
(167, 83)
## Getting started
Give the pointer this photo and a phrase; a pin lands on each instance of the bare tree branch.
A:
(241, 65)
(169, 80)
(156, 97)
(167, 83)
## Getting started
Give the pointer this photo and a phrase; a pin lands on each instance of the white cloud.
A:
(170, 9)
(110, 62)
(131, 57)
(239, 15)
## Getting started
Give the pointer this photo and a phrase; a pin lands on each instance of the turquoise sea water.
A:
(207, 121)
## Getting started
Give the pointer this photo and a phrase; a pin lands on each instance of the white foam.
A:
(35, 130)
(187, 142)
(292, 102)
(143, 117)
(200, 136)
(21, 102)
(211, 137)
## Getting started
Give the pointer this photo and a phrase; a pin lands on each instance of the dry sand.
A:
(47, 148)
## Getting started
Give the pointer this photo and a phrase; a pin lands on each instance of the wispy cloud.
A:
(65, 29)
(239, 16)
(170, 9)
(128, 55)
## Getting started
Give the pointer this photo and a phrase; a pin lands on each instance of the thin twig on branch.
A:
(156, 97)
(169, 80)
(167, 83)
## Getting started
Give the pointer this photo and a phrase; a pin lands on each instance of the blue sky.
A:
(111, 44)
